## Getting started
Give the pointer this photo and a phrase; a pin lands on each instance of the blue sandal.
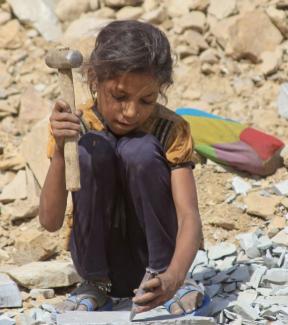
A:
(189, 286)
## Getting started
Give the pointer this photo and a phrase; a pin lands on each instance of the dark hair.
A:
(130, 46)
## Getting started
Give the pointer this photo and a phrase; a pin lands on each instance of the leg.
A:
(149, 194)
(93, 204)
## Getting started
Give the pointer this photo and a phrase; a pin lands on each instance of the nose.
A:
(130, 110)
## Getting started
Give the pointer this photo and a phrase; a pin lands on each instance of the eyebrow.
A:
(123, 91)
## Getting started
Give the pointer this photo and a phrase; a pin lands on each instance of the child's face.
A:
(127, 101)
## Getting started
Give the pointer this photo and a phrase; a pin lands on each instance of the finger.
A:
(145, 298)
(65, 133)
(153, 304)
(152, 284)
(65, 125)
(78, 112)
(61, 106)
(63, 116)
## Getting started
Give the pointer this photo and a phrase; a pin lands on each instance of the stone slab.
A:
(10, 295)
(157, 316)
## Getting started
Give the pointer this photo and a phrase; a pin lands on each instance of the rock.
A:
(52, 274)
(240, 186)
(129, 12)
(35, 152)
(218, 251)
(46, 293)
(242, 34)
(282, 5)
(86, 26)
(94, 4)
(261, 206)
(33, 107)
(195, 41)
(40, 14)
(13, 162)
(71, 10)
(10, 35)
(122, 3)
(282, 104)
(156, 316)
(222, 8)
(4, 17)
(221, 30)
(279, 276)
(200, 5)
(4, 256)
(278, 17)
(17, 189)
(10, 295)
(32, 246)
(281, 188)
(210, 56)
(281, 238)
(156, 16)
(5, 320)
(21, 210)
(6, 109)
(276, 224)
(195, 20)
(271, 61)
(248, 242)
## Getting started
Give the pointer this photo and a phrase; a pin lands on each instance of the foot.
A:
(187, 299)
(89, 296)
(188, 303)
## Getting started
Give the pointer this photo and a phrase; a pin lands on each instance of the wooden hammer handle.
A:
(72, 169)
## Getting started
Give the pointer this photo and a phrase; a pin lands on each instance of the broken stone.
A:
(46, 293)
(279, 276)
(122, 3)
(33, 245)
(226, 263)
(276, 224)
(281, 188)
(213, 289)
(5, 320)
(257, 275)
(156, 16)
(35, 152)
(279, 18)
(240, 186)
(40, 14)
(261, 206)
(222, 8)
(71, 10)
(270, 62)
(250, 26)
(52, 274)
(129, 12)
(221, 250)
(245, 310)
(241, 274)
(220, 277)
(248, 242)
(264, 243)
(281, 238)
(10, 35)
(10, 295)
(210, 56)
(195, 20)
(17, 189)
(122, 318)
(21, 209)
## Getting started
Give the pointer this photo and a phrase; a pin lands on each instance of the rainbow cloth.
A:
(231, 143)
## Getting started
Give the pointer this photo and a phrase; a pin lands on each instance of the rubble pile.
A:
(231, 58)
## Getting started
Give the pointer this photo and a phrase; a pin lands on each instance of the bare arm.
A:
(164, 286)
(53, 197)
(189, 223)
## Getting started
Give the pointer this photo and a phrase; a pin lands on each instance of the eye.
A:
(146, 102)
(119, 98)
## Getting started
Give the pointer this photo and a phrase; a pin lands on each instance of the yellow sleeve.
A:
(180, 146)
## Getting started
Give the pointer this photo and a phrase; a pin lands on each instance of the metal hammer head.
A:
(64, 58)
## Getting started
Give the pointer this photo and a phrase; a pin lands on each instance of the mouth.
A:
(126, 125)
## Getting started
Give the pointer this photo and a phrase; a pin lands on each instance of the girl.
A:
(137, 207)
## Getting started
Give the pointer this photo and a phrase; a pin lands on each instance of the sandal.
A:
(92, 295)
(189, 286)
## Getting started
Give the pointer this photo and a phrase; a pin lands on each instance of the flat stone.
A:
(71, 10)
(220, 277)
(52, 274)
(40, 14)
(277, 223)
(201, 258)
(10, 295)
(122, 318)
(279, 276)
(264, 242)
(226, 263)
(222, 8)
(281, 238)
(240, 186)
(271, 61)
(261, 206)
(245, 310)
(129, 12)
(17, 189)
(281, 188)
(221, 250)
(35, 152)
(248, 27)
(241, 274)
(5, 320)
(230, 287)
(46, 293)
(248, 242)
(257, 275)
(213, 289)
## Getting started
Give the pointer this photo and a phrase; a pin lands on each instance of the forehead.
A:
(134, 83)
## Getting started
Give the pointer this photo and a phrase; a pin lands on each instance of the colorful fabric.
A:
(172, 131)
(231, 143)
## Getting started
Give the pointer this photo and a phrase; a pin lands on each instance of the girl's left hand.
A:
(158, 291)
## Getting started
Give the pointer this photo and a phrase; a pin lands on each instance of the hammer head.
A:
(64, 58)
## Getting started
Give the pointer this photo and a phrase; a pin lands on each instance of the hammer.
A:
(64, 59)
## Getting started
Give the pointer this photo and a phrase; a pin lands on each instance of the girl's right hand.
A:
(64, 123)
